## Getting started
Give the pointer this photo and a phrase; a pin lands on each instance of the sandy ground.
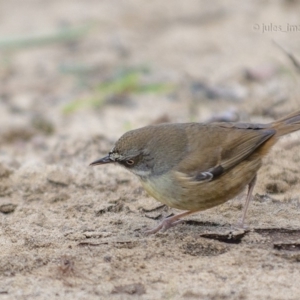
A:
(69, 231)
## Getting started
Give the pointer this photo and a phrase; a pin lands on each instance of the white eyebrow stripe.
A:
(115, 156)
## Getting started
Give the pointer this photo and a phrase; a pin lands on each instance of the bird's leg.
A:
(169, 222)
(248, 199)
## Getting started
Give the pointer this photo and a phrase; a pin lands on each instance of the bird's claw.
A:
(163, 226)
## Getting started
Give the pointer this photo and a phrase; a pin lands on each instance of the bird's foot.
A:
(164, 225)
(240, 225)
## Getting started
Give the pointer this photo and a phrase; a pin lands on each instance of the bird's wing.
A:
(228, 144)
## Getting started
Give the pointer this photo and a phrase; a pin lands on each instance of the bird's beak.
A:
(102, 161)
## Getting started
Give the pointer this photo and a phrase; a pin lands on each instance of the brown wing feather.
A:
(227, 145)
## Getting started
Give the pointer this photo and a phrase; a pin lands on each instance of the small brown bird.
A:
(196, 166)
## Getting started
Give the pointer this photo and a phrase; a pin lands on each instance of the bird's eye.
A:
(129, 162)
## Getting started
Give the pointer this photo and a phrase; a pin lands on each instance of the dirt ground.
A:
(76, 75)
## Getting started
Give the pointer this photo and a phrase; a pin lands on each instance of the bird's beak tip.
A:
(101, 161)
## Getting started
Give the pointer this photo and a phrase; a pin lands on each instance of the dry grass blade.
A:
(291, 56)
(32, 40)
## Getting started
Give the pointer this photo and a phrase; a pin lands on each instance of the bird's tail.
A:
(287, 124)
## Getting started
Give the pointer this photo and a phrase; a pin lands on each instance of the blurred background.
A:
(74, 76)
(103, 67)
